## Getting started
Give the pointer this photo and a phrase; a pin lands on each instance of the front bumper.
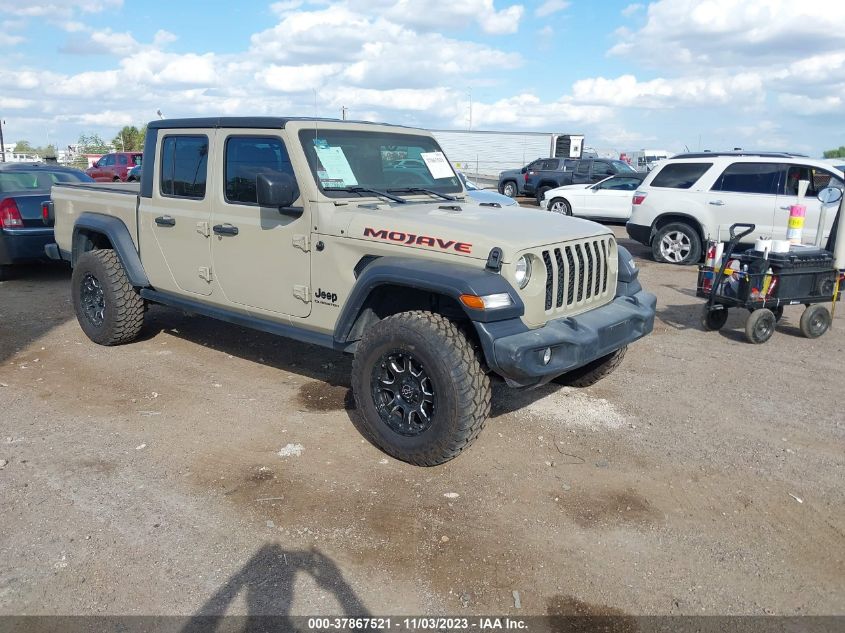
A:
(575, 341)
(24, 244)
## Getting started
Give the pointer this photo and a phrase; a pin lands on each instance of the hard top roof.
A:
(268, 122)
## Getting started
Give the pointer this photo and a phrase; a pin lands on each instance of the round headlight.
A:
(523, 271)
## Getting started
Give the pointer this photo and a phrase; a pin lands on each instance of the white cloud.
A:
(550, 7)
(444, 15)
(631, 9)
(11, 40)
(63, 8)
(801, 105)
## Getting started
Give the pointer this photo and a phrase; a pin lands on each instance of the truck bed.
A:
(70, 200)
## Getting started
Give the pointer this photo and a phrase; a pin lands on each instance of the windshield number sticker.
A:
(437, 165)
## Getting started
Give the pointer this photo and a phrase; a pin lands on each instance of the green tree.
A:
(92, 144)
(129, 139)
(24, 147)
(835, 153)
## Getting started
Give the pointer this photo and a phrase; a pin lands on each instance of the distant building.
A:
(11, 156)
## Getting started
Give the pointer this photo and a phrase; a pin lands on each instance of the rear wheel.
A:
(509, 189)
(421, 393)
(760, 326)
(109, 310)
(559, 205)
(815, 321)
(592, 372)
(677, 243)
(714, 318)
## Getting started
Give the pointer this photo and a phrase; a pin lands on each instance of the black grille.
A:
(580, 272)
(549, 279)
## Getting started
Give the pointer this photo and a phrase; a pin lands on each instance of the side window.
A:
(621, 184)
(818, 179)
(537, 164)
(121, 160)
(759, 178)
(601, 168)
(248, 156)
(107, 160)
(680, 175)
(184, 166)
(583, 168)
(550, 164)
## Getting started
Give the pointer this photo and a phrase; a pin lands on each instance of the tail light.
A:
(47, 212)
(638, 198)
(10, 216)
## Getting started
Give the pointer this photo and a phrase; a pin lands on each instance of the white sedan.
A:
(609, 199)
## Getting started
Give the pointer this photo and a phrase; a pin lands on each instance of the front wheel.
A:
(509, 189)
(677, 243)
(815, 321)
(109, 310)
(760, 326)
(591, 373)
(559, 205)
(421, 393)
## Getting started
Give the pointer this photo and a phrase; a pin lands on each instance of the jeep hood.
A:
(464, 228)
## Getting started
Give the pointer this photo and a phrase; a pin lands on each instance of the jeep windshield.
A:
(346, 161)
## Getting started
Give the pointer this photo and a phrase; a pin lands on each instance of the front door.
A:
(174, 224)
(260, 255)
(818, 179)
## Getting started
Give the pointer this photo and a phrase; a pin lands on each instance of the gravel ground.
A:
(209, 469)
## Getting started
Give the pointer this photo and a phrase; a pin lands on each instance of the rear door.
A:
(746, 192)
(582, 172)
(121, 166)
(260, 255)
(174, 224)
(788, 195)
(600, 170)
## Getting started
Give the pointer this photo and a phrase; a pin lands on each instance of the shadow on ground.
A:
(268, 581)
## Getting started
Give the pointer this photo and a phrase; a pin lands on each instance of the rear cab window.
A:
(679, 175)
(184, 166)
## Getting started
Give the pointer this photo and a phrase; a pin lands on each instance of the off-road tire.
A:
(591, 373)
(461, 387)
(815, 321)
(689, 237)
(713, 319)
(123, 313)
(509, 189)
(760, 326)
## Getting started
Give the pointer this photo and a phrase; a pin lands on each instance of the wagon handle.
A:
(749, 228)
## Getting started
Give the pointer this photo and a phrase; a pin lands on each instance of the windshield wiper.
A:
(368, 190)
(423, 190)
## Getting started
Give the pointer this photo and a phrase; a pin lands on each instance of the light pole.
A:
(2, 144)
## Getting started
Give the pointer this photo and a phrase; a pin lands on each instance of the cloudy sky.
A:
(763, 74)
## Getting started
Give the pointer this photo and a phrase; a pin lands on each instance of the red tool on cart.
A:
(764, 282)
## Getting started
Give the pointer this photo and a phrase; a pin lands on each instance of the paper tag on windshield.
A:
(437, 165)
(336, 167)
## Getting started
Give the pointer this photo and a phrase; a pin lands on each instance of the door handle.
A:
(165, 220)
(717, 203)
(787, 208)
(225, 229)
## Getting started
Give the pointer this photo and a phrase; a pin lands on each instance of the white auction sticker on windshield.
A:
(437, 165)
(336, 167)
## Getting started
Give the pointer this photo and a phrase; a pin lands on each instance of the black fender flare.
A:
(117, 233)
(446, 278)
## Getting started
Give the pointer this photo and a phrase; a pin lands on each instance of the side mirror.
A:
(276, 189)
(829, 195)
(523, 170)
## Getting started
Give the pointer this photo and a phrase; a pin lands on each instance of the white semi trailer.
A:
(486, 153)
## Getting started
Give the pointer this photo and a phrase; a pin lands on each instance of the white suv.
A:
(692, 198)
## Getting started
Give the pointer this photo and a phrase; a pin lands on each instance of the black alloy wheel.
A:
(403, 393)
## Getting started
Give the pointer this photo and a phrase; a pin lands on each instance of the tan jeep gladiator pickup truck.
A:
(359, 237)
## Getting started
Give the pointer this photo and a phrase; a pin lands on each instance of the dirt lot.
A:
(210, 469)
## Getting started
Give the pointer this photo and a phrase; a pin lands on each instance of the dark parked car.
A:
(558, 172)
(115, 166)
(134, 174)
(23, 187)
(512, 181)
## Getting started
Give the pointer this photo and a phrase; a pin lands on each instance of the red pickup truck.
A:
(115, 166)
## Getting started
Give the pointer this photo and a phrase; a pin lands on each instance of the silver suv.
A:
(692, 198)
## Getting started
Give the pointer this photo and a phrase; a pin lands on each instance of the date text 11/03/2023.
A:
(417, 624)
